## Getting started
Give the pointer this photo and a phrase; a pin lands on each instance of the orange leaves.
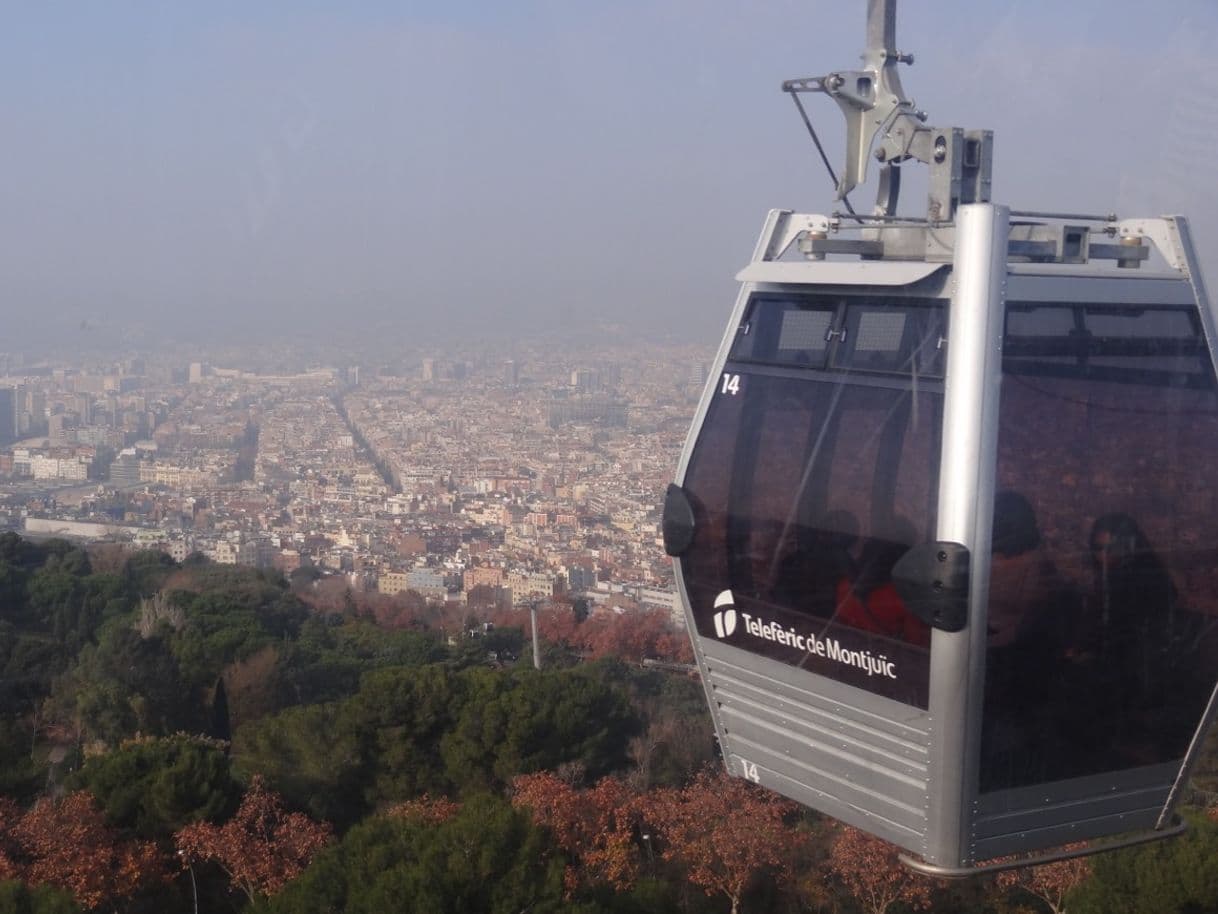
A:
(721, 830)
(67, 843)
(10, 815)
(261, 847)
(1051, 882)
(594, 826)
(629, 636)
(8, 868)
(725, 831)
(870, 871)
(674, 646)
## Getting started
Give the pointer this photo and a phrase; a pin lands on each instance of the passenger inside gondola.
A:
(1133, 604)
(1134, 639)
(809, 578)
(870, 602)
(1031, 612)
(1030, 604)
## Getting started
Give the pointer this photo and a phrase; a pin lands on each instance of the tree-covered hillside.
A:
(215, 738)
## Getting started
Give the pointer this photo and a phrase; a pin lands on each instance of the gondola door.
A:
(1100, 641)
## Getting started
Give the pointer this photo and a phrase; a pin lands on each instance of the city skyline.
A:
(477, 475)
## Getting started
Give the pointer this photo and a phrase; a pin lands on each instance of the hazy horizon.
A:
(440, 170)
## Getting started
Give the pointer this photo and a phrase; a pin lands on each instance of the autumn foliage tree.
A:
(869, 870)
(261, 847)
(10, 815)
(66, 843)
(634, 636)
(1052, 882)
(629, 636)
(725, 832)
(595, 826)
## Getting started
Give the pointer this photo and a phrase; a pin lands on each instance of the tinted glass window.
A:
(802, 331)
(1158, 345)
(791, 331)
(1104, 586)
(857, 334)
(886, 339)
(808, 486)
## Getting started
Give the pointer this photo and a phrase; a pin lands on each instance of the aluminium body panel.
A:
(1181, 233)
(691, 438)
(839, 272)
(857, 756)
(1030, 818)
(966, 474)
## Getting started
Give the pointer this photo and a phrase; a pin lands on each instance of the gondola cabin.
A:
(945, 528)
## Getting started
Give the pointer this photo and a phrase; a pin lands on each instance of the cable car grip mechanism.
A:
(880, 116)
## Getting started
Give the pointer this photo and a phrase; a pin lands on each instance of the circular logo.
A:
(725, 619)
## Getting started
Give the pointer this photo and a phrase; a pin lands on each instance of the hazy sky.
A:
(230, 166)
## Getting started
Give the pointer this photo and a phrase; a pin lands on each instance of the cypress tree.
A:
(219, 727)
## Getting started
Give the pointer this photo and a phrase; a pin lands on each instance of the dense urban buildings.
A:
(523, 474)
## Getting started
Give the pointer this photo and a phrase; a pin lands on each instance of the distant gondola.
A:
(945, 527)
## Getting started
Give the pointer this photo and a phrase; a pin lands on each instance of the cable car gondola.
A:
(943, 527)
